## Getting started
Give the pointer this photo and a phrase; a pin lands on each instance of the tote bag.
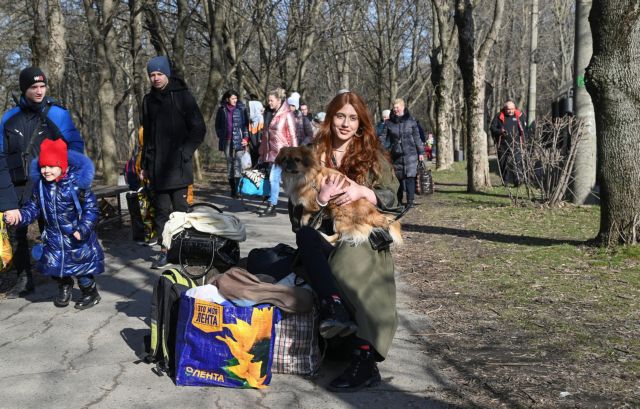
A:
(224, 344)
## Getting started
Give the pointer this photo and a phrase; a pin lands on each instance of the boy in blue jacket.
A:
(62, 194)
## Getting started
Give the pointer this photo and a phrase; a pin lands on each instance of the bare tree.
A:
(48, 42)
(533, 65)
(100, 16)
(442, 77)
(585, 169)
(472, 65)
(612, 81)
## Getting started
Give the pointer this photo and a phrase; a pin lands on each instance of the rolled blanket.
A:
(239, 284)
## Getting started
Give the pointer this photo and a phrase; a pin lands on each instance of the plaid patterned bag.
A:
(296, 349)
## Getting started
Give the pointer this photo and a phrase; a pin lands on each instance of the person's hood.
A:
(255, 112)
(81, 169)
(395, 119)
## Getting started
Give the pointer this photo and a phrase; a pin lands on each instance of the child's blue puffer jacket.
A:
(64, 255)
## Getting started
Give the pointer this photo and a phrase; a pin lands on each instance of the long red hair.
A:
(364, 151)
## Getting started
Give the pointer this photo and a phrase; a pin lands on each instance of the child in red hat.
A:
(62, 196)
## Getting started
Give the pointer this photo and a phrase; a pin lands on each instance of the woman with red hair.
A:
(355, 283)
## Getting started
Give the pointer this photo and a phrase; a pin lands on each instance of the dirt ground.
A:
(483, 347)
(493, 361)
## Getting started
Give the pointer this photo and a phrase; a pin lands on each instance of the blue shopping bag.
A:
(224, 344)
(247, 187)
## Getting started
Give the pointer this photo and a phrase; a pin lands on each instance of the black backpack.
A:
(164, 316)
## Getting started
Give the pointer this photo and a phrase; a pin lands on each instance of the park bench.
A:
(109, 212)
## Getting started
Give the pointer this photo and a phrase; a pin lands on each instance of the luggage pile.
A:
(234, 332)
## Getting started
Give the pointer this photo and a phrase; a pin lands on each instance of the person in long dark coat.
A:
(173, 129)
(232, 128)
(402, 137)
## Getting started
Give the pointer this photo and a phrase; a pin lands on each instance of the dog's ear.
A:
(307, 157)
(281, 155)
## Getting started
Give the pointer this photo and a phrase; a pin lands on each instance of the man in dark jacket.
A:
(508, 130)
(173, 130)
(22, 130)
(402, 137)
(8, 198)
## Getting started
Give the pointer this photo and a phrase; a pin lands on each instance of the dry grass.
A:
(524, 312)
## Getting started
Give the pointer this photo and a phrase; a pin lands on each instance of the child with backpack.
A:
(62, 195)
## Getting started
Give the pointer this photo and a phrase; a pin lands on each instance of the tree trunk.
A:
(442, 77)
(477, 155)
(136, 8)
(612, 81)
(177, 42)
(584, 171)
(55, 58)
(472, 65)
(306, 45)
(48, 43)
(215, 23)
(533, 64)
(101, 30)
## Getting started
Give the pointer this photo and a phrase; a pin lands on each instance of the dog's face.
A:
(296, 160)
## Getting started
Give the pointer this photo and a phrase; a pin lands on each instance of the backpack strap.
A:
(42, 206)
(43, 120)
(76, 201)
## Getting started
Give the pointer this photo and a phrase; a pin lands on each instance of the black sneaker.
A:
(362, 372)
(160, 261)
(335, 320)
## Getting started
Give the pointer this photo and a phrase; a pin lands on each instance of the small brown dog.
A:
(353, 222)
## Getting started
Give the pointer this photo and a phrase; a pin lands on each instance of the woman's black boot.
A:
(335, 319)
(64, 294)
(362, 372)
(269, 211)
(90, 297)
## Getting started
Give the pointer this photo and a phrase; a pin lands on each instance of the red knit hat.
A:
(54, 153)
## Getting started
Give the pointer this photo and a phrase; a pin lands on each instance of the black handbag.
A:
(424, 180)
(193, 248)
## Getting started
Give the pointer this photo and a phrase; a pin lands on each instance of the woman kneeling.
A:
(356, 284)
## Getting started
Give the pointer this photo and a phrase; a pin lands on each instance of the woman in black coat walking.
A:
(401, 135)
(232, 128)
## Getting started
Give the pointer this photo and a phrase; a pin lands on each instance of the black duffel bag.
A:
(193, 248)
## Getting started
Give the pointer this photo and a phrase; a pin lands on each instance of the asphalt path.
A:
(66, 358)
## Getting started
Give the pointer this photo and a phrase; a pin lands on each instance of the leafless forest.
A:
(95, 51)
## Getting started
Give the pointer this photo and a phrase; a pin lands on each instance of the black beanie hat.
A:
(30, 76)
